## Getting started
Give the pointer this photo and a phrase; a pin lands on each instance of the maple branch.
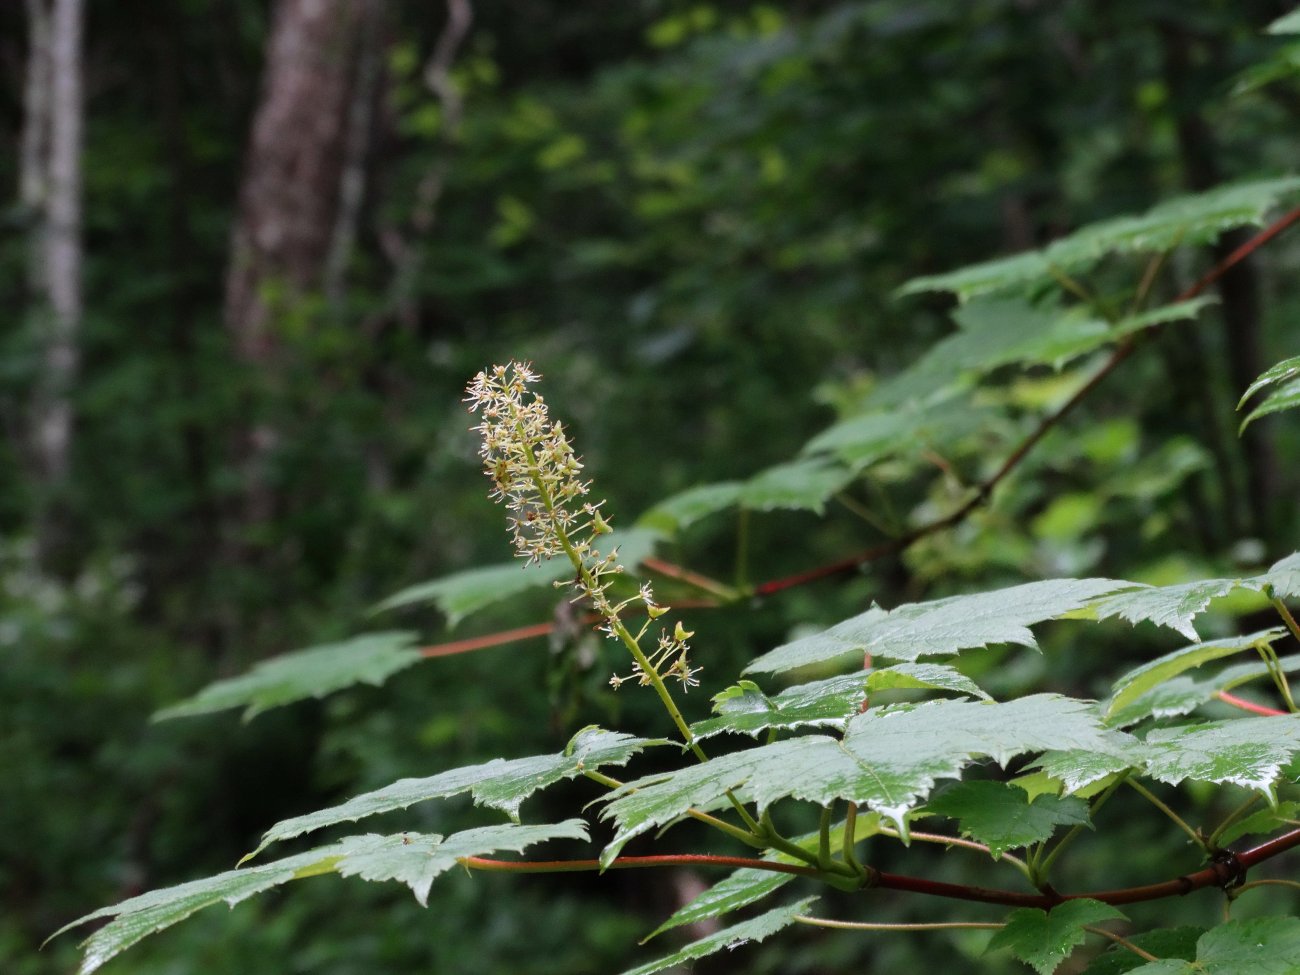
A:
(1226, 871)
(985, 488)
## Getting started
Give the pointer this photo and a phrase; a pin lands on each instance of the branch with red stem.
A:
(1224, 872)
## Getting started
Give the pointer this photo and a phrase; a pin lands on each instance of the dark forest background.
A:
(252, 252)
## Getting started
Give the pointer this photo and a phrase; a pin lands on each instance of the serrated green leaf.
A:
(1043, 940)
(745, 709)
(1264, 821)
(1248, 752)
(1286, 24)
(1172, 606)
(367, 659)
(1079, 770)
(499, 784)
(1165, 943)
(687, 507)
(1184, 221)
(462, 593)
(756, 929)
(1260, 946)
(138, 917)
(888, 760)
(936, 676)
(1142, 679)
(1285, 397)
(416, 860)
(1284, 577)
(1001, 816)
(943, 626)
(410, 858)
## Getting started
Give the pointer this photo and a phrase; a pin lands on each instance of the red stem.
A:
(1251, 706)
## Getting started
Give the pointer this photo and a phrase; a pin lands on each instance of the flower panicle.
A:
(536, 474)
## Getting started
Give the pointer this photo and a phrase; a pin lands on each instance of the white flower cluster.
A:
(535, 472)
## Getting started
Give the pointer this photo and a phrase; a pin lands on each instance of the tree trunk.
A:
(50, 192)
(289, 201)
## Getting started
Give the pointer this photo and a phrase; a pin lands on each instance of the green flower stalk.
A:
(537, 475)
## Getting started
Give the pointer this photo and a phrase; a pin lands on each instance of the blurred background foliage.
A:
(692, 218)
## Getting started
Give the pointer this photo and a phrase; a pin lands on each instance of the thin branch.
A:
(702, 582)
(1173, 817)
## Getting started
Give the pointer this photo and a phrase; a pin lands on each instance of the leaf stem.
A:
(850, 839)
(822, 922)
(1174, 818)
(748, 837)
(1121, 941)
(824, 839)
(1043, 870)
(940, 838)
(1212, 841)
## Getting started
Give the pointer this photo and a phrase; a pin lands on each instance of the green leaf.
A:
(367, 659)
(888, 760)
(1260, 946)
(138, 917)
(463, 593)
(417, 860)
(1165, 943)
(1142, 679)
(411, 858)
(1284, 577)
(687, 507)
(1184, 221)
(1286, 24)
(936, 676)
(499, 784)
(1264, 821)
(801, 485)
(1285, 397)
(1001, 816)
(1043, 940)
(943, 626)
(1172, 606)
(745, 709)
(1248, 752)
(756, 929)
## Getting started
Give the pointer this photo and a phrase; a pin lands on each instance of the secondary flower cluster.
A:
(535, 472)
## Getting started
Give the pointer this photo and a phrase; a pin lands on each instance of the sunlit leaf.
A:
(1248, 752)
(943, 626)
(889, 760)
(744, 708)
(367, 659)
(499, 784)
(411, 858)
(927, 676)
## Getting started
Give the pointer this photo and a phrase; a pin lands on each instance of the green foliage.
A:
(733, 937)
(1002, 817)
(1044, 939)
(1268, 945)
(367, 659)
(1285, 376)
